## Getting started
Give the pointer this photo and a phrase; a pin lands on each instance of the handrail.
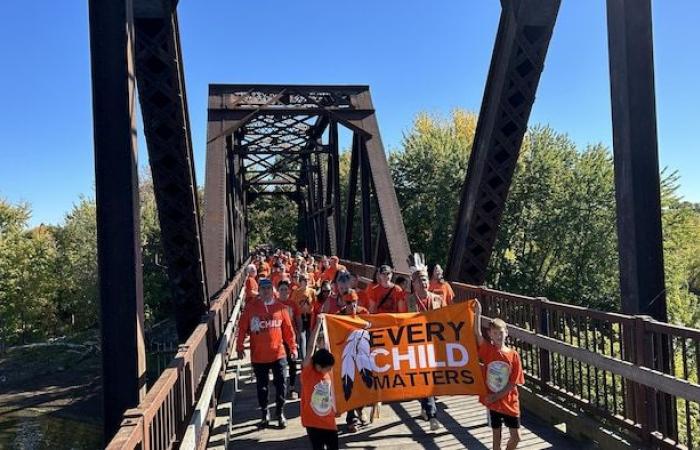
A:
(633, 372)
(159, 421)
(193, 435)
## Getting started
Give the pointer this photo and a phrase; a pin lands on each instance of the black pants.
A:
(262, 377)
(292, 363)
(323, 439)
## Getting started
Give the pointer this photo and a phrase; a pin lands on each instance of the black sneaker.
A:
(282, 420)
(265, 421)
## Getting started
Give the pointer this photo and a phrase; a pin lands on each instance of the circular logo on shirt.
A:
(321, 398)
(497, 374)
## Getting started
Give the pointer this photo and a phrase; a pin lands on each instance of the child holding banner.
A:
(317, 403)
(502, 373)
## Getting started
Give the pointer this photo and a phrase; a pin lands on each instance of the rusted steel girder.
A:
(637, 184)
(117, 193)
(161, 88)
(524, 32)
(281, 129)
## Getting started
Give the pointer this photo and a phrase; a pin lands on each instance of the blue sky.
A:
(415, 55)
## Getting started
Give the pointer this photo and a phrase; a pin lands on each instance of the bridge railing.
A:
(160, 420)
(631, 372)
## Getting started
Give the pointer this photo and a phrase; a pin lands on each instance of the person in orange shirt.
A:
(439, 286)
(317, 405)
(503, 374)
(347, 305)
(251, 285)
(278, 273)
(269, 326)
(421, 300)
(305, 299)
(263, 267)
(386, 297)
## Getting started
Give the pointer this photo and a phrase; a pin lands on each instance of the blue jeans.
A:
(428, 404)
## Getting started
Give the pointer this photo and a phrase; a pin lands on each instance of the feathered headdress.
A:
(416, 265)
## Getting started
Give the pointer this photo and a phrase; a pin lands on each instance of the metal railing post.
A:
(542, 317)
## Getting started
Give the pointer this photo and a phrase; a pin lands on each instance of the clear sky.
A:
(415, 55)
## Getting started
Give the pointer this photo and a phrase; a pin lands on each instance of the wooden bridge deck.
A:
(399, 427)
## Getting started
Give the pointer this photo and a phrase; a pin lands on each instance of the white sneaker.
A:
(424, 414)
(434, 424)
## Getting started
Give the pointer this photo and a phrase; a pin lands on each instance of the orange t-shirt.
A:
(251, 288)
(305, 299)
(500, 368)
(317, 405)
(444, 290)
(264, 270)
(391, 304)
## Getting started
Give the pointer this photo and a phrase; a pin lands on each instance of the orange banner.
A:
(394, 357)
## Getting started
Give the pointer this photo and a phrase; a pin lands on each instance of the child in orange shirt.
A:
(317, 403)
(503, 373)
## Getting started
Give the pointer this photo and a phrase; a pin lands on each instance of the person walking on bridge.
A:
(421, 300)
(269, 325)
(386, 297)
(503, 373)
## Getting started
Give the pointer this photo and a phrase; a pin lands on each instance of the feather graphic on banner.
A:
(356, 357)
(362, 359)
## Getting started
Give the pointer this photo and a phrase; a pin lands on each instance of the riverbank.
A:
(50, 396)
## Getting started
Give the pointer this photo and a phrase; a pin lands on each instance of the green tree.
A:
(77, 247)
(557, 237)
(27, 276)
(428, 174)
(272, 220)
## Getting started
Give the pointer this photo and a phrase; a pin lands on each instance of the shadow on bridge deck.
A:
(399, 427)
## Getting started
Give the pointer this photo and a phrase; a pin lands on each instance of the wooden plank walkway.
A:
(399, 427)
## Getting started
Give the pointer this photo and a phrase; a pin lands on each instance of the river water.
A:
(31, 430)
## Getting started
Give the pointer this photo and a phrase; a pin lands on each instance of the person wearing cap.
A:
(269, 326)
(386, 297)
(422, 300)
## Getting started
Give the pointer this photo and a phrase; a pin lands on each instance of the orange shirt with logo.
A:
(268, 326)
(317, 405)
(500, 368)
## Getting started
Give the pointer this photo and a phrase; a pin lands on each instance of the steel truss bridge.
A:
(631, 375)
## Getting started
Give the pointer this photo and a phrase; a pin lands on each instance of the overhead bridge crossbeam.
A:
(283, 139)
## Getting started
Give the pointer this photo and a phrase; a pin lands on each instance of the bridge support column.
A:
(117, 193)
(637, 183)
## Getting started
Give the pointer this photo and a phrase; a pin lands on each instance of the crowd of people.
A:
(285, 298)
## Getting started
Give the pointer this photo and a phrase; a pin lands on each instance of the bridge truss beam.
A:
(163, 99)
(524, 32)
